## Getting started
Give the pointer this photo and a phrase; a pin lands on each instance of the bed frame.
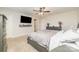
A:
(36, 45)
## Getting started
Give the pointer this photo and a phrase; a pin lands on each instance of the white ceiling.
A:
(29, 10)
(25, 10)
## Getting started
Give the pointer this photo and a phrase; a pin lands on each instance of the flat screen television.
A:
(25, 19)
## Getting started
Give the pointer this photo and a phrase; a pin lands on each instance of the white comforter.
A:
(57, 39)
(53, 39)
(42, 37)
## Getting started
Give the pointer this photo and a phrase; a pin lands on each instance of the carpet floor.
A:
(19, 45)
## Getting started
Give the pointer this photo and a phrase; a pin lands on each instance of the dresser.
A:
(3, 45)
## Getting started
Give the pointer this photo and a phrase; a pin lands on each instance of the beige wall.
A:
(69, 20)
(78, 15)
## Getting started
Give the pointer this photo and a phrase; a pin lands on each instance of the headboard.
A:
(59, 27)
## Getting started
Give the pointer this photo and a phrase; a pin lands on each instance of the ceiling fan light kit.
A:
(41, 11)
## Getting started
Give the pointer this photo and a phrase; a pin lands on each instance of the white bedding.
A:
(53, 39)
(59, 37)
(42, 37)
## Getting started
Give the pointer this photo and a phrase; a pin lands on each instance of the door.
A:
(1, 32)
(3, 46)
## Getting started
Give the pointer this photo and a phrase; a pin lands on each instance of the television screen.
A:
(25, 19)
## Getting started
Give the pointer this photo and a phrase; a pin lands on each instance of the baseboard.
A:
(23, 36)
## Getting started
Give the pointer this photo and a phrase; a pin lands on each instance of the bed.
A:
(41, 40)
(69, 38)
(49, 40)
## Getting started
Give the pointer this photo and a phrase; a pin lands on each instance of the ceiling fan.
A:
(41, 11)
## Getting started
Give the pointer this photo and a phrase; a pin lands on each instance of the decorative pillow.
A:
(77, 30)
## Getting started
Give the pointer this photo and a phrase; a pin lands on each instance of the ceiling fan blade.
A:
(36, 10)
(47, 11)
(36, 13)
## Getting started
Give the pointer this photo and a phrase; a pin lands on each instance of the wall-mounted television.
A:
(25, 19)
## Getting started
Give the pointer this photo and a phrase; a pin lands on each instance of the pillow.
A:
(77, 30)
(66, 28)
